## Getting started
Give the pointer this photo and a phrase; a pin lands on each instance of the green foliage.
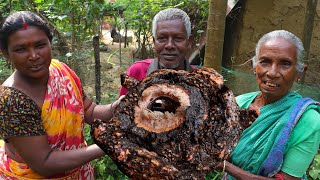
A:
(314, 173)
(5, 70)
(104, 167)
(4, 10)
(215, 175)
(75, 20)
(138, 15)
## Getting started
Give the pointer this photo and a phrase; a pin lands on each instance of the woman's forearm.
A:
(103, 112)
(240, 174)
(61, 161)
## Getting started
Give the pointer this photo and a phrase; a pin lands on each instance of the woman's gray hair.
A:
(290, 38)
(171, 14)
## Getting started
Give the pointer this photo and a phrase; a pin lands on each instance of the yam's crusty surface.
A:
(173, 125)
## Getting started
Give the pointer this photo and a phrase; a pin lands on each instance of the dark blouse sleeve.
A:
(19, 115)
(84, 95)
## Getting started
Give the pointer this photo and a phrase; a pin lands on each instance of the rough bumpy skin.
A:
(173, 125)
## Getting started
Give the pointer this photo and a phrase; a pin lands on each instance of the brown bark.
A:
(311, 10)
(72, 14)
(215, 34)
(308, 25)
(97, 68)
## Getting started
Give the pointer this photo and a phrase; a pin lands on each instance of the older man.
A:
(171, 30)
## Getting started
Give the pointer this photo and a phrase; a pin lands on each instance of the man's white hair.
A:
(171, 14)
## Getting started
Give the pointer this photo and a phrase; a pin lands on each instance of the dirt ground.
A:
(113, 64)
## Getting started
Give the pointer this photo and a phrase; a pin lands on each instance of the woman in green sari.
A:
(284, 139)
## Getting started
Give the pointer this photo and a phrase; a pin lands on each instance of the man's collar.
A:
(154, 65)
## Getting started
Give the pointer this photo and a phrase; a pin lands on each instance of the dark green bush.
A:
(5, 70)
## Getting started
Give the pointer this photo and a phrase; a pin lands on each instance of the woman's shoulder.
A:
(248, 95)
(19, 114)
(309, 123)
(8, 92)
(10, 96)
(311, 117)
(307, 128)
(244, 100)
(55, 63)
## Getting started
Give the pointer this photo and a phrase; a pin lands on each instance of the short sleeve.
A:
(19, 115)
(303, 144)
(132, 71)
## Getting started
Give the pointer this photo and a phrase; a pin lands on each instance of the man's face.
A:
(171, 43)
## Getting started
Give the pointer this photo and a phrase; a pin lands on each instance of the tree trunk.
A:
(97, 68)
(72, 19)
(215, 34)
(139, 42)
(311, 10)
(126, 35)
(120, 37)
(308, 25)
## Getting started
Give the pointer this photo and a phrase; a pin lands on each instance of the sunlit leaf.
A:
(62, 17)
(69, 54)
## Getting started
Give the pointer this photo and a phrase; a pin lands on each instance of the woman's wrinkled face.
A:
(276, 68)
(29, 50)
(171, 43)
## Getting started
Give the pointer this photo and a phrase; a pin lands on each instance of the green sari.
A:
(257, 141)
